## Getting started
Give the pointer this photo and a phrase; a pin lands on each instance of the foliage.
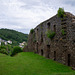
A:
(60, 12)
(2, 43)
(16, 50)
(6, 49)
(28, 63)
(13, 35)
(50, 34)
(31, 31)
(63, 32)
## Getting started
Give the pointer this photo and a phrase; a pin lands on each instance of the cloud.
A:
(22, 15)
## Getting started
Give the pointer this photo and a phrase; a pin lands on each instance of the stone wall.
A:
(62, 47)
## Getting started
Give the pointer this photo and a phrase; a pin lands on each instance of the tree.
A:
(16, 50)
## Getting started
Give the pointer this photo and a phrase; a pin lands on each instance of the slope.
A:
(29, 63)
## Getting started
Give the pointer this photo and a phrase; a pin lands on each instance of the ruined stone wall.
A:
(62, 47)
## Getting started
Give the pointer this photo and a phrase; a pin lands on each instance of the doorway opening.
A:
(42, 52)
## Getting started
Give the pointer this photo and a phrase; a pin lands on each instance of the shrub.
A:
(50, 34)
(31, 31)
(3, 47)
(60, 12)
(16, 50)
(63, 32)
(4, 51)
(2, 43)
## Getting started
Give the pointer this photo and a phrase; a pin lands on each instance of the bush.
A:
(3, 47)
(4, 51)
(50, 34)
(2, 43)
(16, 50)
(31, 31)
(60, 12)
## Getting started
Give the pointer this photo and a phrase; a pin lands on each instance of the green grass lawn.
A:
(31, 64)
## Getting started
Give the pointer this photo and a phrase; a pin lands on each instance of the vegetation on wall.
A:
(31, 31)
(63, 32)
(34, 40)
(60, 12)
(50, 34)
(15, 36)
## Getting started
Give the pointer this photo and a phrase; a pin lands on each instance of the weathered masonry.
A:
(61, 47)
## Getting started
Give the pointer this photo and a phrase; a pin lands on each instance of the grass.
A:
(31, 64)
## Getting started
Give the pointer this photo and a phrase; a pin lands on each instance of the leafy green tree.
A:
(16, 50)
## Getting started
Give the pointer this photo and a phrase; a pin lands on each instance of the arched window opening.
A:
(54, 28)
(48, 24)
(54, 55)
(37, 47)
(69, 56)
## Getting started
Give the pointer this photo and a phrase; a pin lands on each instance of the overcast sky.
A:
(23, 15)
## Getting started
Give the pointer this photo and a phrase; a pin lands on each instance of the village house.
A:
(22, 44)
(5, 42)
(9, 42)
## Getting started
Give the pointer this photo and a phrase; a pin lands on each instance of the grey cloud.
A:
(70, 2)
(26, 14)
(23, 30)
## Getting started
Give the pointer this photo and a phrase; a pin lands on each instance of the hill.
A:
(28, 63)
(15, 36)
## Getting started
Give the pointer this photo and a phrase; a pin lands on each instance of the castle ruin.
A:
(61, 47)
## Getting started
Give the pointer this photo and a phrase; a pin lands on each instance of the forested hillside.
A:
(13, 35)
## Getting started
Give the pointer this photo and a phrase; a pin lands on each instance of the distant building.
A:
(22, 44)
(5, 42)
(0, 43)
(0, 39)
(9, 42)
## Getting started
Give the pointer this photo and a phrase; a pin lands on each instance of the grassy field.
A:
(31, 64)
